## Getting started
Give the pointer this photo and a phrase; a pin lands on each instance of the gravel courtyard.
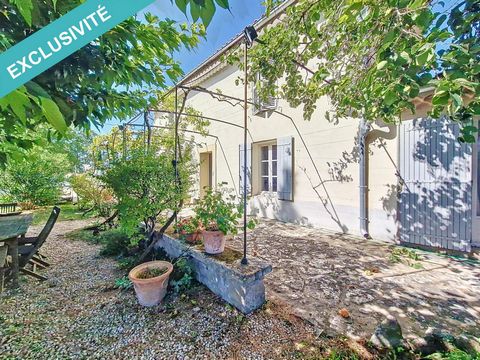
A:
(319, 272)
(77, 314)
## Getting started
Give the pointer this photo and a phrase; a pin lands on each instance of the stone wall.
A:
(239, 285)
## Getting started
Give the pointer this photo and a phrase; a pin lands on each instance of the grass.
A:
(455, 354)
(83, 235)
(68, 212)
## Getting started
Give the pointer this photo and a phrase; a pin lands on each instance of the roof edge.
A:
(259, 25)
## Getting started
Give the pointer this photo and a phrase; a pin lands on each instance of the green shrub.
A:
(145, 186)
(182, 276)
(115, 242)
(93, 194)
(36, 179)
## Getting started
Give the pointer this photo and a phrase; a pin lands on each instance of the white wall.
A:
(326, 192)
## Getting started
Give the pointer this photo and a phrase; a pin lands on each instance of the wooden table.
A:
(11, 228)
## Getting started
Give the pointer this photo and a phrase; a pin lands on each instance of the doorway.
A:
(205, 173)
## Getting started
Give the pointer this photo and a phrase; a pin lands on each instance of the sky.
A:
(224, 27)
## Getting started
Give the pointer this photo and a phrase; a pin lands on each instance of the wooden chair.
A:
(3, 263)
(28, 248)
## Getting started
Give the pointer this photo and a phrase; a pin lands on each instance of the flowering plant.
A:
(218, 211)
(188, 225)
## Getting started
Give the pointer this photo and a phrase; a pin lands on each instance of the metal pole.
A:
(149, 131)
(124, 136)
(175, 164)
(245, 132)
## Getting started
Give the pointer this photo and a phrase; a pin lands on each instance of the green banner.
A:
(50, 45)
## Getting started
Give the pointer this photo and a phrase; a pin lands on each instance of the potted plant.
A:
(219, 215)
(150, 281)
(189, 229)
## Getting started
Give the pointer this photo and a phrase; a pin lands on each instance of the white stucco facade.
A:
(325, 165)
(321, 171)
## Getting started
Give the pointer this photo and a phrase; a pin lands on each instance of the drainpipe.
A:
(363, 187)
(366, 137)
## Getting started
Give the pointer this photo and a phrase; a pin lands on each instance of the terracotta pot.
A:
(214, 242)
(193, 238)
(150, 292)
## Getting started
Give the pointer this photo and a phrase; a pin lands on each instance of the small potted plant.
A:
(189, 229)
(219, 215)
(150, 281)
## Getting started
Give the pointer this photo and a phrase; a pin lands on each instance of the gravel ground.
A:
(78, 314)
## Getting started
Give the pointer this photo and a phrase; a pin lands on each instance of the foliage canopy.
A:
(373, 57)
(37, 179)
(112, 77)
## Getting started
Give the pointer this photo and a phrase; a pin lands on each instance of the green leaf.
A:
(36, 89)
(469, 129)
(18, 102)
(223, 4)
(388, 39)
(25, 8)
(195, 11)
(404, 55)
(440, 98)
(467, 138)
(457, 100)
(422, 58)
(182, 5)
(382, 64)
(424, 19)
(207, 12)
(415, 4)
(440, 20)
(390, 97)
(53, 114)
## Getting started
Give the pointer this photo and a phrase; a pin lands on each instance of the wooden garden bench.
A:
(28, 248)
(7, 209)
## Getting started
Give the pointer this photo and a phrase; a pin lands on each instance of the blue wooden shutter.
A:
(285, 167)
(249, 168)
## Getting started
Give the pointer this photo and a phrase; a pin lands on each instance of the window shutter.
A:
(249, 168)
(260, 106)
(285, 167)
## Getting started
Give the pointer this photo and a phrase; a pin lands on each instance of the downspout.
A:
(366, 137)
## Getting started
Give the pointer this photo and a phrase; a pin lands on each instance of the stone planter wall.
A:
(239, 285)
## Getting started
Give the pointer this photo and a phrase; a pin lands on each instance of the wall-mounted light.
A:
(250, 35)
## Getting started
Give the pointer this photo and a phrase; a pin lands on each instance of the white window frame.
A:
(270, 161)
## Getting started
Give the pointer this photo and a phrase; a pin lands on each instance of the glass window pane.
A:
(274, 184)
(265, 184)
(264, 168)
(274, 168)
(274, 152)
(264, 152)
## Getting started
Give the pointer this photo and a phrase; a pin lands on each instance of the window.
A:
(260, 106)
(269, 168)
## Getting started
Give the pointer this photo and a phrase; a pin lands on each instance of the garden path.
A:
(319, 272)
(79, 314)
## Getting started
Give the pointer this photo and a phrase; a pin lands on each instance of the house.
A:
(412, 182)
